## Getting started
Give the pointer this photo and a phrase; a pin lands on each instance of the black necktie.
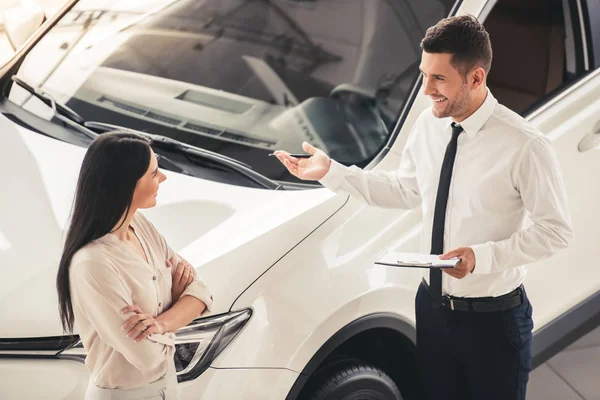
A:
(439, 215)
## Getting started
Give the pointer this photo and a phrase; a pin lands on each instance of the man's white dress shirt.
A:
(504, 171)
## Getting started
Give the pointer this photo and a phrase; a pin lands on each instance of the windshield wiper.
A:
(181, 147)
(61, 112)
(69, 117)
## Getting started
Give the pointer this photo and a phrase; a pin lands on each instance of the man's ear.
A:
(477, 77)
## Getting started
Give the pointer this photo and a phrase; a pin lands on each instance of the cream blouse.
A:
(107, 275)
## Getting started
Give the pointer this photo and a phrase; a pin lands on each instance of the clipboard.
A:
(415, 260)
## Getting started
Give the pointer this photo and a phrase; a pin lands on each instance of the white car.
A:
(301, 311)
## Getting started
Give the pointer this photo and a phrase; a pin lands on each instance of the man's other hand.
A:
(466, 264)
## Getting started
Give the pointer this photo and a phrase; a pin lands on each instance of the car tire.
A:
(355, 380)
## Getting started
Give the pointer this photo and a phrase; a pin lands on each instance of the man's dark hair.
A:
(463, 37)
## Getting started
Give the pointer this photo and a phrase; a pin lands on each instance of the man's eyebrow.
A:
(436, 75)
(155, 171)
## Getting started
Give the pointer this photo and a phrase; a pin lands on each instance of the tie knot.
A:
(456, 129)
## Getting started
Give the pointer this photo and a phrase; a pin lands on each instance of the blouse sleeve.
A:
(199, 290)
(100, 294)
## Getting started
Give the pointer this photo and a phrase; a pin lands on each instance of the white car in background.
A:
(301, 311)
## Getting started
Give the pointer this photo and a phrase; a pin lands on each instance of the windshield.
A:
(241, 78)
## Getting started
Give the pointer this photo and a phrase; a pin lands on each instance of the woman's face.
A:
(146, 189)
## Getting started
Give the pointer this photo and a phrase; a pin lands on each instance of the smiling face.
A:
(449, 90)
(146, 188)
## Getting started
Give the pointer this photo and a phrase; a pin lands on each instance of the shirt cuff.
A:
(167, 338)
(334, 177)
(483, 258)
(199, 290)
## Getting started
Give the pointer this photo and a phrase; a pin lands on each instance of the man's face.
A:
(446, 87)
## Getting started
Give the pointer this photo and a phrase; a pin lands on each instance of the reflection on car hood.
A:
(230, 234)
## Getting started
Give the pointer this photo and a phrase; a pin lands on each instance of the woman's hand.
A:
(183, 275)
(140, 326)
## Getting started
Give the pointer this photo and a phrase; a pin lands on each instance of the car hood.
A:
(230, 234)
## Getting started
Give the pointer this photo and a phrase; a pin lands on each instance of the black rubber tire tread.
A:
(347, 369)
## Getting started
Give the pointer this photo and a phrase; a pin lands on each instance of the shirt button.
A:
(160, 304)
(154, 278)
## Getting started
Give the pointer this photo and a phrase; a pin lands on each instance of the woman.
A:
(118, 280)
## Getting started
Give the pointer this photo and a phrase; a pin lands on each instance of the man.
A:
(477, 169)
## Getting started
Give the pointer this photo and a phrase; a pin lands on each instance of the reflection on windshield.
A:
(240, 77)
(227, 34)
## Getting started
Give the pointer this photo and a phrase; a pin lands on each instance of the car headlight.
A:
(75, 351)
(196, 345)
(199, 343)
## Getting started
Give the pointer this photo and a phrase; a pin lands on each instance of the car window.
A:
(591, 10)
(239, 77)
(537, 51)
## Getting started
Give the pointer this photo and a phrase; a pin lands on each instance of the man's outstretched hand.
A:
(313, 168)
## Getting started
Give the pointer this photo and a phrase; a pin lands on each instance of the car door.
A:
(572, 122)
(566, 286)
(544, 68)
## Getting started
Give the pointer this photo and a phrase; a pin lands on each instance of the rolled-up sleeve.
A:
(99, 293)
(199, 290)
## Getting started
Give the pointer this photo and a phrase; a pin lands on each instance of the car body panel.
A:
(216, 227)
(239, 383)
(558, 284)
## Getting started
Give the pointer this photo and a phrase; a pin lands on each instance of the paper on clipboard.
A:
(415, 260)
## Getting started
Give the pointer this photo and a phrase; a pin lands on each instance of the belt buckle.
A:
(451, 304)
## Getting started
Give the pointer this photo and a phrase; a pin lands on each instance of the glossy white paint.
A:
(328, 281)
(250, 384)
(219, 228)
(24, 379)
(558, 284)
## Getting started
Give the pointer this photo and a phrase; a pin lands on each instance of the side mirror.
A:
(20, 23)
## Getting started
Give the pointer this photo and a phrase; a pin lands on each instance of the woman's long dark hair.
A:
(112, 165)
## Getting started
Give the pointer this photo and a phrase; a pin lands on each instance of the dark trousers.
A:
(467, 355)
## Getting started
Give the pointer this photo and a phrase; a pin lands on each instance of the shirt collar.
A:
(475, 121)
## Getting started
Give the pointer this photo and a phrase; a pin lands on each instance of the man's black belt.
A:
(482, 304)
